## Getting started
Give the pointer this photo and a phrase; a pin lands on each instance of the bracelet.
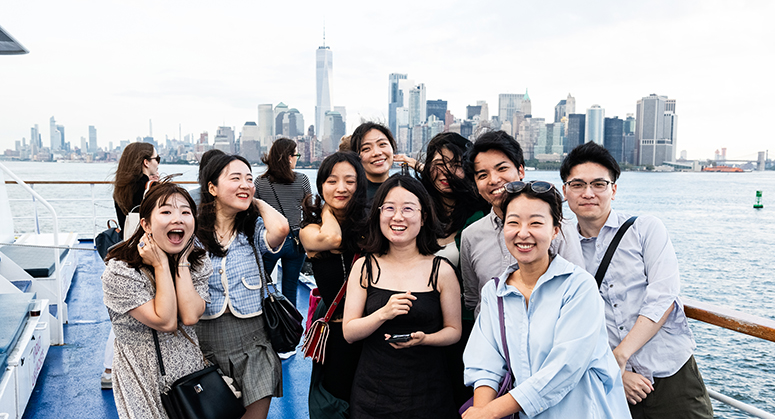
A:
(184, 265)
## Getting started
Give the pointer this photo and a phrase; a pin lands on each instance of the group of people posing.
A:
(455, 280)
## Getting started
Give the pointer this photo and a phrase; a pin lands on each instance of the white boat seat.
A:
(13, 317)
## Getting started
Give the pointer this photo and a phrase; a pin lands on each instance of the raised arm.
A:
(276, 224)
(324, 236)
(161, 312)
(190, 303)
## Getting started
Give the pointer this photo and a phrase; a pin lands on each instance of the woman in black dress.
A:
(330, 233)
(401, 288)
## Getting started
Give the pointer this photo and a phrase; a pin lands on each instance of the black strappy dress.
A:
(403, 383)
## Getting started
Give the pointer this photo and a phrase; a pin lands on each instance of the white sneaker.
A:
(286, 355)
(106, 381)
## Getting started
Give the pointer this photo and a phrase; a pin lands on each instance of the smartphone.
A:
(400, 338)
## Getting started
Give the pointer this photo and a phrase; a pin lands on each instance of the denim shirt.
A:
(642, 280)
(562, 364)
(237, 278)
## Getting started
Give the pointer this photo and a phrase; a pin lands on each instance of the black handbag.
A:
(202, 394)
(282, 320)
(107, 239)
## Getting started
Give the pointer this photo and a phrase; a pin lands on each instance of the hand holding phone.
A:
(399, 338)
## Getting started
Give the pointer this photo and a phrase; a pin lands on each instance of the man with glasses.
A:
(647, 328)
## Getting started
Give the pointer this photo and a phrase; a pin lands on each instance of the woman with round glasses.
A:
(404, 303)
(557, 341)
(284, 189)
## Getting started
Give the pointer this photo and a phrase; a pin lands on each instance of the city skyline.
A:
(462, 53)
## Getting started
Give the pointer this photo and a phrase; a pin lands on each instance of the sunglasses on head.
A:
(538, 186)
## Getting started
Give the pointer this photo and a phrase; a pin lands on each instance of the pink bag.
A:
(314, 299)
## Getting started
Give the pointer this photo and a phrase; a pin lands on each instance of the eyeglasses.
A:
(157, 158)
(599, 185)
(407, 211)
(297, 155)
(538, 186)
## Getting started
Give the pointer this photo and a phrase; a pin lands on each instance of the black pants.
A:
(682, 395)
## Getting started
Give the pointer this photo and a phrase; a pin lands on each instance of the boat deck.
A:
(69, 383)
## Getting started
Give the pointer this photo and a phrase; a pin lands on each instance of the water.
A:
(725, 248)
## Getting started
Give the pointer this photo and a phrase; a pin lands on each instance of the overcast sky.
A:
(115, 65)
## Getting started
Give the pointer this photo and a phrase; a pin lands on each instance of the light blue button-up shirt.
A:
(237, 278)
(642, 280)
(562, 364)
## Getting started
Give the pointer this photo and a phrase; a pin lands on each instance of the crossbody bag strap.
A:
(342, 290)
(266, 280)
(277, 198)
(158, 351)
(609, 253)
(502, 321)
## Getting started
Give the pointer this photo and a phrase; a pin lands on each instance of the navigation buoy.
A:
(758, 203)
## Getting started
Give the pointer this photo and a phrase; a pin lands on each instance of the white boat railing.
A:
(61, 314)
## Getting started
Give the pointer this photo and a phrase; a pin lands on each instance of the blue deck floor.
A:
(68, 385)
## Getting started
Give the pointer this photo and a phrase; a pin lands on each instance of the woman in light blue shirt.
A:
(557, 341)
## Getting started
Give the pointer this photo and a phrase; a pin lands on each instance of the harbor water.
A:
(725, 248)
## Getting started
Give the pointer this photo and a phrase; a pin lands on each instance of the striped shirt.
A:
(290, 197)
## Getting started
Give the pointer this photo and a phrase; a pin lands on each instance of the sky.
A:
(197, 65)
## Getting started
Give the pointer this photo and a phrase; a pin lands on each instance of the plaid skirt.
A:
(243, 351)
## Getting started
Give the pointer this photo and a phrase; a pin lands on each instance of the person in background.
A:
(494, 160)
(402, 288)
(647, 327)
(156, 281)
(557, 343)
(344, 143)
(139, 163)
(375, 145)
(332, 229)
(206, 156)
(236, 229)
(457, 204)
(284, 190)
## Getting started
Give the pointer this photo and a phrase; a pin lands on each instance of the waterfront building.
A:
(437, 108)
(472, 111)
(570, 105)
(484, 110)
(395, 99)
(92, 139)
(35, 141)
(575, 132)
(449, 119)
(323, 84)
(57, 137)
(335, 130)
(613, 138)
(435, 125)
(508, 103)
(559, 111)
(527, 105)
(593, 129)
(265, 124)
(655, 130)
(224, 140)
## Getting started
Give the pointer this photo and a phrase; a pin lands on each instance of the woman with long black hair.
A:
(236, 229)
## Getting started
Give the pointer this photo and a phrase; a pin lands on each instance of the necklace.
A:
(222, 238)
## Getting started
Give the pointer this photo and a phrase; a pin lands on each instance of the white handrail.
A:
(753, 411)
(57, 273)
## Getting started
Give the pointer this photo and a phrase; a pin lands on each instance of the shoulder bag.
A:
(508, 381)
(609, 253)
(133, 218)
(281, 318)
(107, 239)
(200, 395)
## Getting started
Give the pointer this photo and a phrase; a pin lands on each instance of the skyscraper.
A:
(593, 130)
(56, 136)
(559, 111)
(527, 104)
(570, 105)
(324, 84)
(613, 137)
(395, 99)
(265, 124)
(92, 139)
(575, 132)
(437, 108)
(508, 103)
(655, 130)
